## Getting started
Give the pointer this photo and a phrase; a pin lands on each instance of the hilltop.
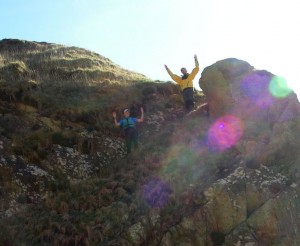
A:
(227, 178)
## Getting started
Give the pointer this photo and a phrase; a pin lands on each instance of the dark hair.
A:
(185, 76)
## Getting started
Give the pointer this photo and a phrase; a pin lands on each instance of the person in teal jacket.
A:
(186, 84)
(129, 125)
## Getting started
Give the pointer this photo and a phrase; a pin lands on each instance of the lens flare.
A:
(279, 87)
(255, 85)
(225, 133)
(256, 88)
(156, 193)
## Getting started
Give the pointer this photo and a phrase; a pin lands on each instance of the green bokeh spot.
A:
(279, 87)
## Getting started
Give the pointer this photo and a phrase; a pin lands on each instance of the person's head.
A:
(126, 112)
(183, 70)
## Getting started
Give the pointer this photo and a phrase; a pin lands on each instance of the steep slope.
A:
(229, 178)
(57, 129)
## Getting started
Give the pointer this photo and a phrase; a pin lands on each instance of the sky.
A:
(143, 35)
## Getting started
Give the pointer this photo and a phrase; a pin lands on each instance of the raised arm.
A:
(196, 68)
(175, 77)
(115, 119)
(168, 70)
(142, 115)
(196, 61)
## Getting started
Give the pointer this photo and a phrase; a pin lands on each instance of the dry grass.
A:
(58, 79)
(68, 90)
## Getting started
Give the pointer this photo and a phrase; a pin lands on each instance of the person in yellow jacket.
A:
(186, 84)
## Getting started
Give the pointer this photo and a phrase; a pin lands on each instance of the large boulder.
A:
(256, 108)
(234, 86)
(252, 198)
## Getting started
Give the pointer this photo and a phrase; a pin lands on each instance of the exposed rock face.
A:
(263, 112)
(234, 86)
(258, 203)
(231, 178)
(254, 198)
(243, 209)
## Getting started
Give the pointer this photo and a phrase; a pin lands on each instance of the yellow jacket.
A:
(188, 82)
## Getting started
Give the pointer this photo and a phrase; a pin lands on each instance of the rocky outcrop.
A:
(249, 207)
(230, 177)
(251, 136)
(234, 86)
(252, 198)
(258, 109)
(258, 202)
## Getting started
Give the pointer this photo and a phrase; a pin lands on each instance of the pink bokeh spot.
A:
(256, 88)
(156, 192)
(225, 133)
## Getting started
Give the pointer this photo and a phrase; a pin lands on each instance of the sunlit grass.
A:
(74, 90)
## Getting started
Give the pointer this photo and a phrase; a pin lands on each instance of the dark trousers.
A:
(188, 98)
(131, 138)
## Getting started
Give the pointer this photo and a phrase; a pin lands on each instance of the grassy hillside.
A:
(65, 179)
(63, 158)
(57, 79)
(56, 106)
(67, 86)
